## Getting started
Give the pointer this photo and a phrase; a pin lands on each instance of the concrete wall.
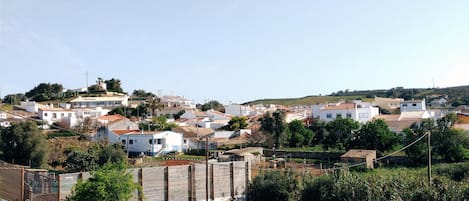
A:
(185, 182)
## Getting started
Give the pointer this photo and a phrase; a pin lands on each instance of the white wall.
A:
(413, 106)
(237, 110)
(361, 115)
(164, 142)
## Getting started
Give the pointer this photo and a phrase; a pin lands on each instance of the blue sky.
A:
(235, 50)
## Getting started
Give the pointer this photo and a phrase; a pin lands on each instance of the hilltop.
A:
(455, 96)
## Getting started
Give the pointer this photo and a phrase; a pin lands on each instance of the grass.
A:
(6, 107)
(316, 148)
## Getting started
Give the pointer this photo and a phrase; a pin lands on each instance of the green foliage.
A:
(375, 135)
(154, 104)
(378, 185)
(446, 141)
(274, 186)
(213, 104)
(142, 93)
(275, 124)
(23, 142)
(114, 85)
(14, 99)
(112, 182)
(61, 134)
(237, 123)
(456, 172)
(179, 114)
(161, 124)
(298, 135)
(79, 160)
(45, 92)
(339, 132)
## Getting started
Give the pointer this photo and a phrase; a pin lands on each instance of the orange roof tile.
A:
(121, 132)
(111, 118)
(342, 106)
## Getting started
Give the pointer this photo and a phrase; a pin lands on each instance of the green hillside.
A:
(455, 95)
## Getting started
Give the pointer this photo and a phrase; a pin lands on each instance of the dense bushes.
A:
(384, 184)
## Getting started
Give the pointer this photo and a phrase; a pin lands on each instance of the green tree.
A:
(79, 160)
(298, 135)
(237, 123)
(23, 143)
(179, 114)
(375, 135)
(418, 152)
(142, 93)
(275, 125)
(14, 99)
(45, 92)
(320, 130)
(114, 85)
(340, 131)
(161, 124)
(446, 141)
(274, 185)
(213, 104)
(155, 105)
(112, 182)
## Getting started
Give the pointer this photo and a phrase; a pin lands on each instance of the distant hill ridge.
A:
(456, 96)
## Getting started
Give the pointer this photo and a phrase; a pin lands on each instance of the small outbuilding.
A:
(355, 156)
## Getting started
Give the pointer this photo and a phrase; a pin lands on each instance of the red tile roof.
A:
(342, 106)
(111, 118)
(121, 132)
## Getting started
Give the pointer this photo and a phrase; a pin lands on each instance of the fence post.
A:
(58, 187)
(212, 191)
(191, 182)
(22, 184)
(140, 182)
(166, 183)
(232, 181)
(247, 179)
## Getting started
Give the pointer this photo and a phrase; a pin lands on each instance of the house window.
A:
(185, 141)
(158, 141)
(415, 104)
(54, 115)
(363, 115)
(45, 114)
(131, 141)
(404, 105)
(349, 115)
(329, 116)
(338, 115)
(62, 114)
(123, 141)
(150, 141)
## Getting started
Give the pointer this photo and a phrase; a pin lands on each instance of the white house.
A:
(356, 111)
(413, 105)
(31, 106)
(151, 143)
(104, 102)
(238, 110)
(178, 101)
(69, 117)
(414, 109)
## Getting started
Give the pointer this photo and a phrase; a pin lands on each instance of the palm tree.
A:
(154, 104)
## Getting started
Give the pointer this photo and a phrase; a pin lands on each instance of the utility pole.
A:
(206, 168)
(429, 158)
